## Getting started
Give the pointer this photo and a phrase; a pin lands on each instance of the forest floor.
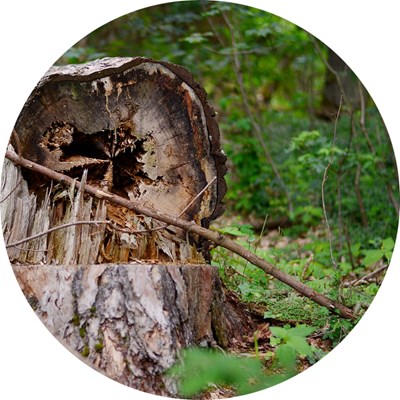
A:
(283, 318)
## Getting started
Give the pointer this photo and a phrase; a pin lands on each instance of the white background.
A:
(34, 34)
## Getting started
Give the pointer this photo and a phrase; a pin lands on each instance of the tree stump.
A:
(128, 294)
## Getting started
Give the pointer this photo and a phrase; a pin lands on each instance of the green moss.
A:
(82, 332)
(85, 351)
(76, 320)
(99, 346)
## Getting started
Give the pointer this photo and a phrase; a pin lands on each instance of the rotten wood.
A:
(142, 129)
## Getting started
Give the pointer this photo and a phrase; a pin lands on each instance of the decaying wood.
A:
(192, 228)
(143, 130)
(128, 321)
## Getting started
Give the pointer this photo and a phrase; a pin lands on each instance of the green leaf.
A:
(387, 245)
(197, 37)
(355, 249)
(279, 332)
(371, 257)
(286, 356)
(300, 345)
(302, 330)
(231, 230)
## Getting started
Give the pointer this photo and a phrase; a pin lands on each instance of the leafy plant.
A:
(372, 256)
(201, 368)
(291, 343)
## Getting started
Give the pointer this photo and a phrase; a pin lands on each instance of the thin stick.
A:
(12, 191)
(197, 196)
(216, 237)
(67, 225)
(324, 179)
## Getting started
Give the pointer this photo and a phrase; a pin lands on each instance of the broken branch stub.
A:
(142, 128)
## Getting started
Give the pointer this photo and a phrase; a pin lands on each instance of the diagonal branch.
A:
(190, 227)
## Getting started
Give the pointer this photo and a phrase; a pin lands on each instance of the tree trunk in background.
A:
(124, 301)
(332, 88)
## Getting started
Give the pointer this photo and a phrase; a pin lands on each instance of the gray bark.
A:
(127, 321)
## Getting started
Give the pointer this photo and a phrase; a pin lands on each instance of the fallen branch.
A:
(190, 227)
(367, 278)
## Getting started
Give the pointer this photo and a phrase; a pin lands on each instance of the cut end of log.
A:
(142, 129)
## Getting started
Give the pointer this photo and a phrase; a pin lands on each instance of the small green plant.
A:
(201, 368)
(99, 346)
(291, 343)
(85, 351)
(372, 256)
(339, 329)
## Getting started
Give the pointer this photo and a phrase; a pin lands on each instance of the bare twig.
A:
(62, 226)
(56, 228)
(197, 196)
(366, 279)
(340, 174)
(324, 179)
(12, 191)
(191, 226)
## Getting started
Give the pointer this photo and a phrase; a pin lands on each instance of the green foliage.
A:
(311, 263)
(339, 329)
(291, 343)
(201, 368)
(372, 256)
(284, 79)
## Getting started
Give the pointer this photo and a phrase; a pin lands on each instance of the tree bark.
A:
(130, 321)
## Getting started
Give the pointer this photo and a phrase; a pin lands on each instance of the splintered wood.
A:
(135, 127)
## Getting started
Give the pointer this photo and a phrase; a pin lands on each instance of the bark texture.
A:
(128, 321)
